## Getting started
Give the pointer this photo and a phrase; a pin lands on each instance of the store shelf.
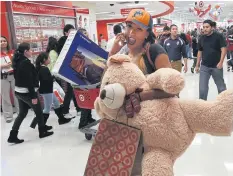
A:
(39, 27)
(32, 40)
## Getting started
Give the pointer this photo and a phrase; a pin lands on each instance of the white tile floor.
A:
(66, 152)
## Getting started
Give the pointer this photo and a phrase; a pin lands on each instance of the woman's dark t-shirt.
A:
(155, 51)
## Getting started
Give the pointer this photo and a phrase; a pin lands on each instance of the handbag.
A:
(116, 150)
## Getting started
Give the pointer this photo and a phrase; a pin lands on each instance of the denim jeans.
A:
(205, 74)
(50, 99)
(188, 51)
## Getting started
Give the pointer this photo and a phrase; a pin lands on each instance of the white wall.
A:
(91, 6)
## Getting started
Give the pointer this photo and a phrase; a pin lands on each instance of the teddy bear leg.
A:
(157, 162)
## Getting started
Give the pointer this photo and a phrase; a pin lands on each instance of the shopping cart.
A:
(85, 99)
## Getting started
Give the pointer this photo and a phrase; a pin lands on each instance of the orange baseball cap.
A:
(141, 18)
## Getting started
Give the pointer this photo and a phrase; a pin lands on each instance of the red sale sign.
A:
(82, 11)
(127, 10)
(22, 7)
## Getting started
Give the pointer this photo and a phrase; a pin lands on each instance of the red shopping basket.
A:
(86, 98)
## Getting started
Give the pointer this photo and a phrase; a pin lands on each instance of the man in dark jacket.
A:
(166, 34)
(69, 90)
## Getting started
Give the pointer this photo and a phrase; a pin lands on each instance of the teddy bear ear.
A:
(118, 59)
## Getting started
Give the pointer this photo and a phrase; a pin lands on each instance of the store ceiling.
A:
(112, 10)
(182, 9)
(105, 11)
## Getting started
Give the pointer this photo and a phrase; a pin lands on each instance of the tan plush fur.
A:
(168, 125)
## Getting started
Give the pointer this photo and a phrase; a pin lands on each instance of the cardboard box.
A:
(81, 61)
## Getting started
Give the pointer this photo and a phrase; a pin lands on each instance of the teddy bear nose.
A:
(103, 94)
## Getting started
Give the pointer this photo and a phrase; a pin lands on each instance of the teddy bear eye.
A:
(106, 83)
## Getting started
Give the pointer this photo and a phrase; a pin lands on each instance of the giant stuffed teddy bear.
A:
(168, 125)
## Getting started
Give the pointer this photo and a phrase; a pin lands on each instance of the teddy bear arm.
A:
(167, 79)
(157, 163)
(215, 118)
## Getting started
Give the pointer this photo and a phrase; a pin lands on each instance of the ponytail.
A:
(40, 60)
(19, 53)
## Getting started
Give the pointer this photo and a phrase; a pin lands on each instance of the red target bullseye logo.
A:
(107, 153)
(114, 130)
(124, 132)
(124, 172)
(96, 149)
(120, 145)
(103, 126)
(93, 161)
(113, 170)
(99, 174)
(110, 141)
(133, 136)
(127, 161)
(103, 166)
(99, 138)
(90, 172)
(81, 98)
(117, 157)
(131, 149)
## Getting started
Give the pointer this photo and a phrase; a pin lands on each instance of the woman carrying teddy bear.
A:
(139, 40)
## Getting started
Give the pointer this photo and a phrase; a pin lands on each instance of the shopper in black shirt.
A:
(212, 50)
(26, 86)
(69, 92)
(46, 90)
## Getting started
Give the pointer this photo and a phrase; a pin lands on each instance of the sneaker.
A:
(69, 116)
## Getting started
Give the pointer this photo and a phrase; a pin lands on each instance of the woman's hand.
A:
(34, 101)
(8, 65)
(118, 44)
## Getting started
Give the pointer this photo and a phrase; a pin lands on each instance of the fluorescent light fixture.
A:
(115, 15)
(140, 4)
(99, 13)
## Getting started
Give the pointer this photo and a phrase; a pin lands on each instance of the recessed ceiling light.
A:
(140, 4)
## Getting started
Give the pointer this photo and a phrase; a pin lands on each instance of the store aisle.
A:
(66, 152)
